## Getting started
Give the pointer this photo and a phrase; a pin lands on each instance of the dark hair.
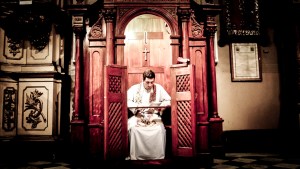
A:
(148, 74)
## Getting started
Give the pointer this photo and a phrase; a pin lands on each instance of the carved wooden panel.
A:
(183, 111)
(8, 107)
(115, 112)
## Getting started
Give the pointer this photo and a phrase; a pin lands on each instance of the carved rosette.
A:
(96, 30)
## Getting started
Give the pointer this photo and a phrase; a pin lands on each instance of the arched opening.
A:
(148, 46)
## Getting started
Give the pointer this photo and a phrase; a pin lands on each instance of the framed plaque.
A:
(245, 62)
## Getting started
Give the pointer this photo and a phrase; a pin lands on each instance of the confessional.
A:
(112, 49)
(112, 43)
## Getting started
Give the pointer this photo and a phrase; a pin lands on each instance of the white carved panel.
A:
(8, 107)
(36, 103)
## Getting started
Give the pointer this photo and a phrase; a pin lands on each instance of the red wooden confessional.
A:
(175, 38)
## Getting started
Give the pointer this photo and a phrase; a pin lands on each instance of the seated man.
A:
(147, 135)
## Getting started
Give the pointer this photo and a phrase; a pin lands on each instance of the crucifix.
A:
(145, 53)
(145, 37)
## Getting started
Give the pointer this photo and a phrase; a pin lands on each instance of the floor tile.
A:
(229, 161)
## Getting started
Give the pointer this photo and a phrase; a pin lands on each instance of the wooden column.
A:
(211, 29)
(185, 17)
(77, 122)
(96, 48)
(78, 73)
(109, 15)
(216, 128)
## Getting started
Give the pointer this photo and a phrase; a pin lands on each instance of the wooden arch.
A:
(164, 14)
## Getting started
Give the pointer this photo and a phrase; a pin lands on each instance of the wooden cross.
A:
(145, 36)
(145, 53)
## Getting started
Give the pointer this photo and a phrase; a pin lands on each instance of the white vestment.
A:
(147, 142)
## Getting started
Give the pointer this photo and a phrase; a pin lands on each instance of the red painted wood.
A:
(115, 112)
(77, 90)
(183, 110)
(178, 41)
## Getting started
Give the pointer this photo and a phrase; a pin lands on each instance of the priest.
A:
(147, 134)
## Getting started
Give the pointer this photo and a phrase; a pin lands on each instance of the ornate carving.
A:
(197, 29)
(14, 46)
(96, 30)
(35, 105)
(9, 109)
(172, 11)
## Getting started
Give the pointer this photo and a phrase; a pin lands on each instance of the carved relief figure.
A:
(35, 105)
(9, 109)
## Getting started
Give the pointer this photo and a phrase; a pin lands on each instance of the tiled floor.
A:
(230, 161)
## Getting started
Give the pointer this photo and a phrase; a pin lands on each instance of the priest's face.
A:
(148, 83)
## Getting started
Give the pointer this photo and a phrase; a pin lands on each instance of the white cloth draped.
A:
(147, 142)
